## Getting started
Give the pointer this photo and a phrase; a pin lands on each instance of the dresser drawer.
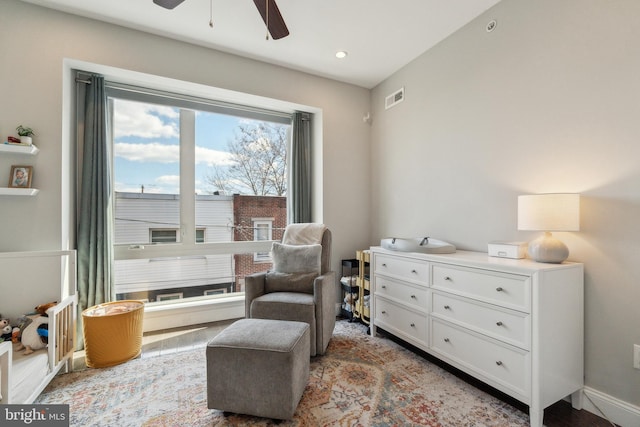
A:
(401, 320)
(508, 290)
(500, 323)
(505, 366)
(412, 295)
(403, 268)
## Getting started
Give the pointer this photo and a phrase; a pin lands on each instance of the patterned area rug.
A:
(361, 381)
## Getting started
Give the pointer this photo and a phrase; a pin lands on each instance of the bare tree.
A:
(259, 157)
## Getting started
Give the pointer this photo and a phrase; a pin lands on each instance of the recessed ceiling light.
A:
(341, 54)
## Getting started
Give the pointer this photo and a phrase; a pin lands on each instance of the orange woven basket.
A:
(112, 332)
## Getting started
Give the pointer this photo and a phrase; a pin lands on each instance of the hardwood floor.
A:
(560, 414)
(180, 339)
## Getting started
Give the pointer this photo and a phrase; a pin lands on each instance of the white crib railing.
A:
(42, 277)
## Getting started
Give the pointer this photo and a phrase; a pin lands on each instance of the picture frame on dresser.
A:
(21, 176)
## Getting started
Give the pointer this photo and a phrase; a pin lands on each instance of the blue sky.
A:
(146, 148)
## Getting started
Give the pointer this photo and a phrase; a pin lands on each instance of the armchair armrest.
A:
(324, 293)
(324, 288)
(253, 288)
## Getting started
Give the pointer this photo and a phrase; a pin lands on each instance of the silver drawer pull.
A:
(384, 286)
(384, 265)
(384, 312)
(448, 278)
(499, 289)
(446, 307)
(499, 323)
(413, 296)
(499, 362)
(414, 272)
(446, 340)
(413, 325)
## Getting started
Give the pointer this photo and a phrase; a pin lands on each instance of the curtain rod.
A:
(82, 77)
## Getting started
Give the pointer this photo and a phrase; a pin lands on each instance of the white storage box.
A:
(514, 250)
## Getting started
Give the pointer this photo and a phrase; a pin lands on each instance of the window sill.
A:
(186, 313)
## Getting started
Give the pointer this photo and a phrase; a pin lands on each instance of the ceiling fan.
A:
(267, 8)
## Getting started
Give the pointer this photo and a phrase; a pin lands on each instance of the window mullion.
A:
(187, 176)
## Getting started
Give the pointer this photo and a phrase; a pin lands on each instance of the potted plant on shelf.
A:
(25, 135)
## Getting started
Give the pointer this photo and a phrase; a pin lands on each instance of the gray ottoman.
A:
(258, 367)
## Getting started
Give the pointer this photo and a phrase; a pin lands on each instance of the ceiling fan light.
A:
(341, 54)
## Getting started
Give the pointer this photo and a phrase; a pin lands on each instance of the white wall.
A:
(35, 41)
(547, 102)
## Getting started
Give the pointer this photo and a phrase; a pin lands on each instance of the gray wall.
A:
(547, 102)
(34, 41)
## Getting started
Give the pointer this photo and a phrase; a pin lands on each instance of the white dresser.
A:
(516, 325)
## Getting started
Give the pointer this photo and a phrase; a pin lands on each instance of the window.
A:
(215, 291)
(229, 160)
(171, 236)
(164, 236)
(169, 297)
(262, 230)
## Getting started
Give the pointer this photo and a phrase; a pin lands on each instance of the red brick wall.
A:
(245, 210)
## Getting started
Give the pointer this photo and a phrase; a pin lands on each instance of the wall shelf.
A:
(30, 150)
(19, 149)
(5, 191)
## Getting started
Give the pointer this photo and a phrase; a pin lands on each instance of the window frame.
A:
(188, 105)
(151, 237)
(262, 257)
(169, 297)
(210, 309)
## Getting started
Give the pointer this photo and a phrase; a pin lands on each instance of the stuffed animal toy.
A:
(35, 334)
(5, 330)
(350, 298)
(42, 308)
(31, 340)
(15, 335)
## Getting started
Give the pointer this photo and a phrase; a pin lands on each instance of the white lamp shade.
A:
(549, 212)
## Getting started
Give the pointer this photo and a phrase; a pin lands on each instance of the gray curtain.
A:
(299, 193)
(95, 258)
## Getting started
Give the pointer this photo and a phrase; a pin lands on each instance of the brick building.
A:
(256, 218)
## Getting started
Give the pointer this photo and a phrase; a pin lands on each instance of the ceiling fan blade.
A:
(275, 24)
(168, 4)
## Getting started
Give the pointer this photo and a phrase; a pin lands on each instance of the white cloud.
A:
(212, 157)
(145, 120)
(163, 153)
(151, 152)
(168, 180)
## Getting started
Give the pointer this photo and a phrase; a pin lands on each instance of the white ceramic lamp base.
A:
(548, 249)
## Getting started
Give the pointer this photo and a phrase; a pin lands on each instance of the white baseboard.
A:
(615, 410)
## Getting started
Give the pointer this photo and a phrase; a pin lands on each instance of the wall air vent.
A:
(393, 99)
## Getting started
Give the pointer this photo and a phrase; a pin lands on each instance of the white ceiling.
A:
(380, 36)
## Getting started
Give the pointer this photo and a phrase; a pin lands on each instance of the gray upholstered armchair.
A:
(300, 286)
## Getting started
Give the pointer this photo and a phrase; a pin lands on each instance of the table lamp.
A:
(549, 212)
